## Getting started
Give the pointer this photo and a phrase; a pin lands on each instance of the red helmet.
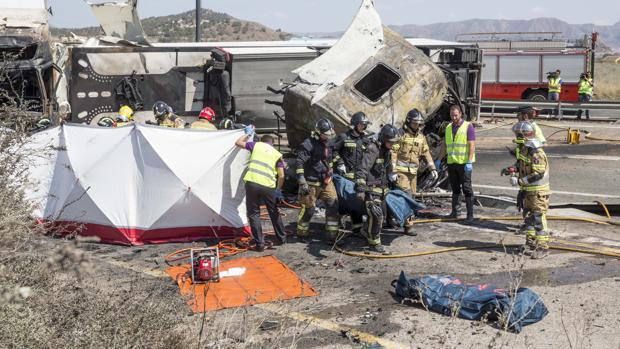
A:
(207, 113)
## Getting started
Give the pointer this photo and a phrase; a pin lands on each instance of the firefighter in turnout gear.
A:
(125, 116)
(314, 174)
(205, 120)
(372, 180)
(349, 148)
(165, 116)
(411, 147)
(533, 179)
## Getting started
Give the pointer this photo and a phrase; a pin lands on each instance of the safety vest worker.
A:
(263, 184)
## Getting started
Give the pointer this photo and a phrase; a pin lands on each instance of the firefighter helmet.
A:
(359, 118)
(126, 113)
(414, 115)
(388, 133)
(523, 129)
(324, 127)
(106, 121)
(161, 109)
(207, 113)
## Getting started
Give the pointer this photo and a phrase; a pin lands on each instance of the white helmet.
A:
(534, 143)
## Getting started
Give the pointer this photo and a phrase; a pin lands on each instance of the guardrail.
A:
(560, 106)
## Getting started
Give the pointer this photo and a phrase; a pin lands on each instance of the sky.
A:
(335, 15)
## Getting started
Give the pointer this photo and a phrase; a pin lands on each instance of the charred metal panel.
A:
(173, 75)
(421, 84)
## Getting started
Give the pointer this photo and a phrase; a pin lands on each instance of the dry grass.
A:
(607, 80)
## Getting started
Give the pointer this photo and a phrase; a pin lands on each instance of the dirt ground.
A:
(77, 293)
(580, 291)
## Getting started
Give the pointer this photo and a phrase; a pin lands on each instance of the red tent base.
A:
(133, 236)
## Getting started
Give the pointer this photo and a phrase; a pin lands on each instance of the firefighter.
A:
(125, 116)
(263, 183)
(527, 113)
(554, 86)
(586, 90)
(205, 120)
(314, 174)
(460, 147)
(411, 147)
(409, 150)
(533, 179)
(373, 182)
(165, 116)
(349, 148)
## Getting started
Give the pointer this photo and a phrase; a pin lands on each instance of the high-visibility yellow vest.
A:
(203, 125)
(554, 85)
(456, 147)
(262, 167)
(585, 87)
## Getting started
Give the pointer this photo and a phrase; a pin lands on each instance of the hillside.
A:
(216, 26)
(609, 35)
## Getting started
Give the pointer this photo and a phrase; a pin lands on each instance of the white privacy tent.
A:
(140, 184)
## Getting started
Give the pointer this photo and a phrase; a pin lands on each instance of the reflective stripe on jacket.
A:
(262, 166)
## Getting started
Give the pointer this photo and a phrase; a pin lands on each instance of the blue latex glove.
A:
(278, 194)
(469, 167)
(438, 164)
(249, 130)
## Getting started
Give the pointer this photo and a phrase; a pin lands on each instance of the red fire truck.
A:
(518, 69)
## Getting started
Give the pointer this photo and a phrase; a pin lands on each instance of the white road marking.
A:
(561, 156)
(605, 196)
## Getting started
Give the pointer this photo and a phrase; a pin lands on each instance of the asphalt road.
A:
(579, 173)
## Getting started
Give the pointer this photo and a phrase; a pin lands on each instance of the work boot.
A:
(456, 206)
(379, 249)
(469, 203)
(259, 248)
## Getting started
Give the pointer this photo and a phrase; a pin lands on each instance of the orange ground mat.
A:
(266, 279)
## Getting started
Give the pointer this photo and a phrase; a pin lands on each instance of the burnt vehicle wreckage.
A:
(273, 85)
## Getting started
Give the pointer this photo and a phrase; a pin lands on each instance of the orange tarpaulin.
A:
(266, 279)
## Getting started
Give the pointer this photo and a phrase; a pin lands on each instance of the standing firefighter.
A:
(459, 146)
(534, 181)
(375, 172)
(349, 149)
(586, 90)
(314, 175)
(263, 183)
(527, 113)
(407, 153)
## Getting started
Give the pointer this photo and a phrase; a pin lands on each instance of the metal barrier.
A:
(559, 105)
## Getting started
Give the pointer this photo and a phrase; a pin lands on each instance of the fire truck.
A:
(517, 64)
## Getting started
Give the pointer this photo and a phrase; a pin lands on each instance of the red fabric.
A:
(133, 236)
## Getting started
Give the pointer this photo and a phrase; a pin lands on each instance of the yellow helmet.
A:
(126, 111)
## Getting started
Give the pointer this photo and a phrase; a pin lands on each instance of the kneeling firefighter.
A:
(372, 180)
(533, 179)
(314, 174)
(349, 148)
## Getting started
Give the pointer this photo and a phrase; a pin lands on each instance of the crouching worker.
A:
(263, 179)
(372, 181)
(533, 178)
(314, 175)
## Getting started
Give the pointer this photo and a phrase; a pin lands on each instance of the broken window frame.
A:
(387, 92)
